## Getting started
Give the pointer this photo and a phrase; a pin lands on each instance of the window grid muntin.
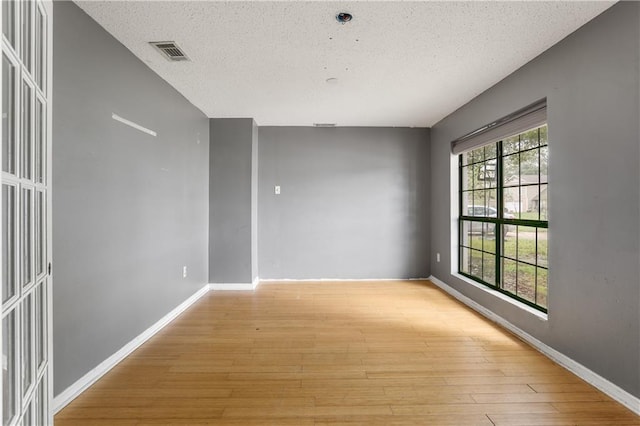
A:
(499, 221)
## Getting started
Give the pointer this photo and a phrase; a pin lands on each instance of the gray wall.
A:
(591, 83)
(354, 203)
(231, 192)
(129, 210)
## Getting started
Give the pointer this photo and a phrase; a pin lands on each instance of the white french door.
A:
(26, 212)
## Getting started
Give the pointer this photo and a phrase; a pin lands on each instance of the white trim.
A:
(73, 391)
(306, 280)
(604, 385)
(235, 286)
(132, 124)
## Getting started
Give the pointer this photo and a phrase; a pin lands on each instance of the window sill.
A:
(540, 315)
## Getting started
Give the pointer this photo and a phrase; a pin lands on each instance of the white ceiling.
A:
(396, 63)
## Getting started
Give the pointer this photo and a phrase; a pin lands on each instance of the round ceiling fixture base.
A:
(344, 17)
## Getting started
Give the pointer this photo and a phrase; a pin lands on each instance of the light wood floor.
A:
(393, 353)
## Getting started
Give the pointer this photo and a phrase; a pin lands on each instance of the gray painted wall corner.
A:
(129, 209)
(592, 86)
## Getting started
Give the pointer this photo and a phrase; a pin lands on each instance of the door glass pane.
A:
(27, 346)
(26, 131)
(41, 328)
(8, 20)
(27, 419)
(27, 257)
(8, 242)
(40, 48)
(41, 406)
(27, 19)
(8, 114)
(9, 367)
(39, 211)
(39, 141)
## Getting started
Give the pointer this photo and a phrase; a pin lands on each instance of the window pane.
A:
(488, 173)
(544, 135)
(511, 170)
(476, 263)
(27, 347)
(26, 131)
(40, 232)
(509, 275)
(9, 336)
(9, 242)
(542, 247)
(465, 259)
(511, 200)
(544, 203)
(544, 164)
(489, 237)
(27, 253)
(492, 202)
(8, 116)
(475, 228)
(489, 268)
(467, 178)
(27, 19)
(479, 203)
(511, 145)
(490, 151)
(526, 244)
(508, 231)
(467, 200)
(465, 236)
(529, 139)
(529, 167)
(527, 282)
(40, 159)
(467, 158)
(542, 287)
(510, 241)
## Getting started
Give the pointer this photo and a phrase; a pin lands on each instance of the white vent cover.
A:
(170, 50)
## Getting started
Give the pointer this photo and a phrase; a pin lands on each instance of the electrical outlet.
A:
(437, 257)
(184, 272)
(277, 190)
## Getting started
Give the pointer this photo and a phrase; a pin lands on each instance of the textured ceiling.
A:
(396, 63)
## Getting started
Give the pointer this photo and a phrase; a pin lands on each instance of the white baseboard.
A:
(305, 280)
(235, 286)
(69, 394)
(604, 385)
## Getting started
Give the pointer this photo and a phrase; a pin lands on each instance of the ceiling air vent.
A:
(170, 50)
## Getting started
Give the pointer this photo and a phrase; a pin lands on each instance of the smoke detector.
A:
(170, 50)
